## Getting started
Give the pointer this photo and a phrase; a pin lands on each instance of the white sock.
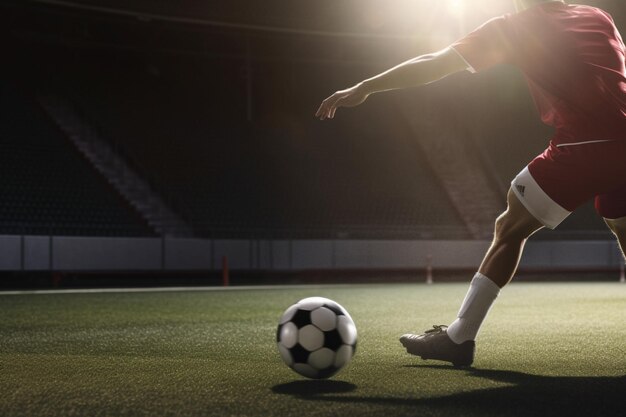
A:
(480, 296)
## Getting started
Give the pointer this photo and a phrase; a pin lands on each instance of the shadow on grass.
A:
(527, 395)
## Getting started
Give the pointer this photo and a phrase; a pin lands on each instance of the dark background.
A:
(213, 103)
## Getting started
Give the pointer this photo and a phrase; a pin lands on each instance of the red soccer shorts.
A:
(562, 178)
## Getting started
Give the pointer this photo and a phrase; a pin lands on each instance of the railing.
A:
(62, 253)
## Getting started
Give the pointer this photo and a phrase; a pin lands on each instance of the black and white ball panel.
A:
(316, 337)
(347, 330)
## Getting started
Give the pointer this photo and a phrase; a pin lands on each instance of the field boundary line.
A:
(171, 289)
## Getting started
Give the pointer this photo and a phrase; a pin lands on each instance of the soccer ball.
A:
(316, 337)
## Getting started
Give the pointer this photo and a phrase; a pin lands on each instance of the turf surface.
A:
(546, 350)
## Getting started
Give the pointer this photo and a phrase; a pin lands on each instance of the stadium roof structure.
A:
(321, 17)
(278, 16)
(406, 22)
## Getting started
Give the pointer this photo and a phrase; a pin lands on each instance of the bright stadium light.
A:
(456, 7)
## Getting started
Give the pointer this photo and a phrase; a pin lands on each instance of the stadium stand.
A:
(46, 187)
(220, 123)
(230, 177)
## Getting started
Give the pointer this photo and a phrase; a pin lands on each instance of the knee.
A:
(516, 224)
(617, 226)
(508, 229)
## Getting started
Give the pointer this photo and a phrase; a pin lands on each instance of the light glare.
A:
(456, 7)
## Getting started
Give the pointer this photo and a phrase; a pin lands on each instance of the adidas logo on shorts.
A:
(521, 189)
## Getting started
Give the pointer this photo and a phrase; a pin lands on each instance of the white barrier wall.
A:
(37, 253)
(10, 253)
(84, 253)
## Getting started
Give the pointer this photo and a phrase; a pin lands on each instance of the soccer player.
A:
(573, 59)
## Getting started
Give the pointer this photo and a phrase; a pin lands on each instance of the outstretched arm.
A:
(412, 73)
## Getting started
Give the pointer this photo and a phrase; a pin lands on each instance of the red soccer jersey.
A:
(573, 59)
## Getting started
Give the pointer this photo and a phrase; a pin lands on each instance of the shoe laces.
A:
(437, 328)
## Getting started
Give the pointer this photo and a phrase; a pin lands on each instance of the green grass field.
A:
(546, 350)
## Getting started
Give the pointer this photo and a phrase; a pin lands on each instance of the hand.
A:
(345, 98)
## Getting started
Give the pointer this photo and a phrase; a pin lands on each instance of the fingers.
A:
(324, 110)
(331, 112)
(321, 111)
(327, 109)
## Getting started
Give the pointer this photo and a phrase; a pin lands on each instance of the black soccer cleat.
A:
(436, 344)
